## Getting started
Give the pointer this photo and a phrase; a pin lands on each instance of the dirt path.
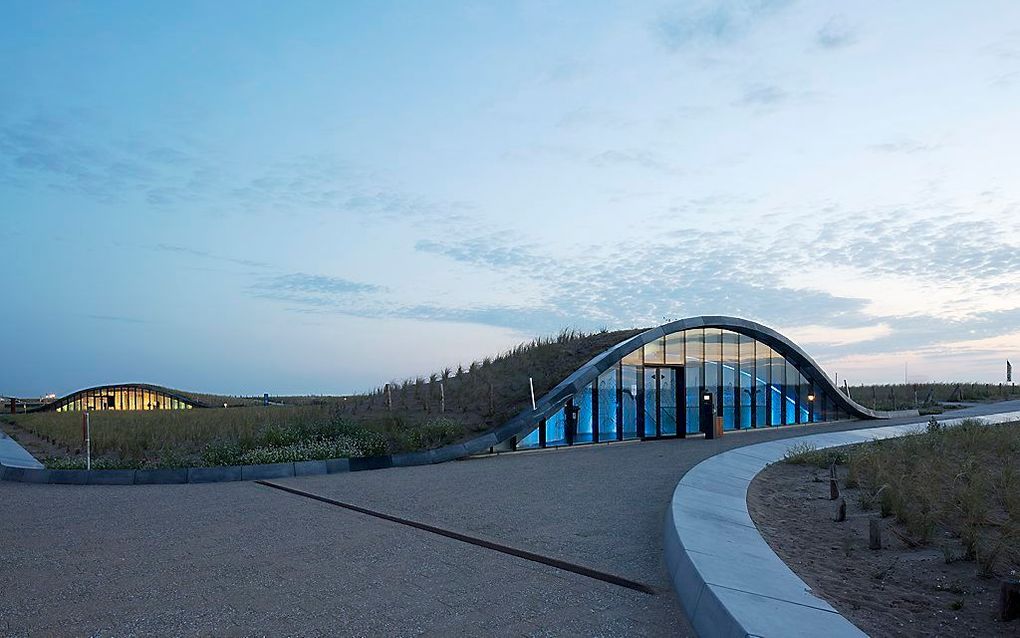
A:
(37, 446)
(895, 591)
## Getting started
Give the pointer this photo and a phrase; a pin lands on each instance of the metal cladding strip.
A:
(726, 576)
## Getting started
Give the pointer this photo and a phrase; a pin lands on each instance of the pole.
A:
(442, 398)
(88, 442)
(531, 385)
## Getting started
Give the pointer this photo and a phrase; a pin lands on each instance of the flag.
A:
(1009, 371)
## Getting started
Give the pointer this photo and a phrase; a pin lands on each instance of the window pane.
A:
(630, 399)
(651, 395)
(529, 441)
(675, 348)
(667, 401)
(555, 430)
(633, 358)
(729, 379)
(694, 344)
(792, 393)
(583, 401)
(777, 372)
(654, 351)
(713, 376)
(746, 381)
(607, 405)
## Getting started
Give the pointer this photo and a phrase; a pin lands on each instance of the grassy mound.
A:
(412, 414)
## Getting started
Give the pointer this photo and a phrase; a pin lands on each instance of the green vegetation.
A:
(413, 414)
(928, 398)
(960, 486)
(807, 454)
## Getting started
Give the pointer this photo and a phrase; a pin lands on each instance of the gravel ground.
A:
(244, 559)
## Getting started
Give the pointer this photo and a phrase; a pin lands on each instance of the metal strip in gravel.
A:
(505, 549)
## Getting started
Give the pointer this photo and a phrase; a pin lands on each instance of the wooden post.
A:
(1009, 599)
(874, 534)
(841, 511)
(833, 484)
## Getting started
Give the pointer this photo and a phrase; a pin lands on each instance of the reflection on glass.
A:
(651, 405)
(555, 429)
(729, 379)
(582, 401)
(792, 393)
(654, 352)
(675, 348)
(607, 405)
(629, 386)
(667, 401)
(777, 372)
(695, 352)
(529, 441)
(746, 380)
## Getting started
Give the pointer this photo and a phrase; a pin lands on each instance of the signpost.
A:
(86, 434)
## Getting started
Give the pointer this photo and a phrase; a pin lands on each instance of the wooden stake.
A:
(874, 534)
(1009, 599)
(841, 511)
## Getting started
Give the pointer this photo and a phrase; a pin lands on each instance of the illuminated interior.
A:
(658, 390)
(126, 397)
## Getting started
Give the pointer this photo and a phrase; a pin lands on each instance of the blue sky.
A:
(310, 197)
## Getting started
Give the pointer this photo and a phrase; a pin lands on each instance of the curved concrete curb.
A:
(728, 579)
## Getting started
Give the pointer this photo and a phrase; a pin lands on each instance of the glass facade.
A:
(121, 398)
(657, 390)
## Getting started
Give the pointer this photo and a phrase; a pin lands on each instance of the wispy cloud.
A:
(836, 34)
(190, 252)
(907, 146)
(713, 22)
(762, 96)
(303, 283)
(117, 319)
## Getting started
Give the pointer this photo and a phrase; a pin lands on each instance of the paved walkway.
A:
(13, 455)
(241, 558)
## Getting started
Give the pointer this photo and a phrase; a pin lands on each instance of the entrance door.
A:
(663, 396)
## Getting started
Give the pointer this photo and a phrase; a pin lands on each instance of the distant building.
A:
(137, 396)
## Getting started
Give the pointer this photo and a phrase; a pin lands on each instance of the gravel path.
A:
(244, 559)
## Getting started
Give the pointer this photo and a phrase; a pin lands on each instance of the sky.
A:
(319, 197)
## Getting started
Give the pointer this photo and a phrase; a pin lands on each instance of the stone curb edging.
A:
(726, 576)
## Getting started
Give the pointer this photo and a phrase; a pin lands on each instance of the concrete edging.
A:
(726, 576)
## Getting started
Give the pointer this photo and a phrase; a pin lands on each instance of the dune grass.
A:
(413, 414)
(955, 487)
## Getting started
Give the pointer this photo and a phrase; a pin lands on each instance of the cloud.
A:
(297, 284)
(906, 146)
(117, 319)
(637, 157)
(491, 251)
(182, 250)
(712, 22)
(836, 34)
(762, 96)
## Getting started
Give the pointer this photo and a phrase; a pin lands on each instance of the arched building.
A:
(130, 396)
(679, 378)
